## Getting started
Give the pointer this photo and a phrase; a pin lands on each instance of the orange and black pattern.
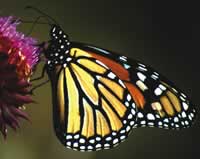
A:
(159, 103)
(166, 106)
(94, 109)
(99, 96)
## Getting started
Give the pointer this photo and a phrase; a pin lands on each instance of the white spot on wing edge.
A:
(90, 147)
(160, 123)
(122, 137)
(150, 116)
(132, 123)
(123, 58)
(133, 111)
(102, 64)
(142, 68)
(64, 65)
(183, 114)
(158, 91)
(128, 128)
(156, 73)
(111, 75)
(121, 83)
(162, 87)
(176, 119)
(127, 66)
(184, 95)
(77, 136)
(183, 99)
(98, 146)
(69, 137)
(127, 104)
(82, 140)
(166, 120)
(68, 59)
(128, 97)
(75, 144)
(186, 122)
(82, 147)
(140, 115)
(143, 122)
(141, 76)
(122, 131)
(185, 106)
(115, 141)
(130, 116)
(108, 138)
(154, 77)
(141, 85)
(54, 29)
(92, 141)
(141, 65)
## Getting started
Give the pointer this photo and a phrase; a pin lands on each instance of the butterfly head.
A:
(57, 50)
(57, 33)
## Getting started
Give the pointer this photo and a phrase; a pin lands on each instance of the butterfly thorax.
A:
(57, 52)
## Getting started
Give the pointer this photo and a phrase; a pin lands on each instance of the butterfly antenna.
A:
(36, 22)
(29, 21)
(42, 13)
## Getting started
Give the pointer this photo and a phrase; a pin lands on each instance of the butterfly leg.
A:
(37, 86)
(41, 76)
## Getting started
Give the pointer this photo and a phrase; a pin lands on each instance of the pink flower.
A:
(18, 56)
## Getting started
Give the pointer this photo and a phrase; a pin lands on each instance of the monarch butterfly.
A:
(100, 96)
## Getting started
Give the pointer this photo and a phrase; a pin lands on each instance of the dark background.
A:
(163, 34)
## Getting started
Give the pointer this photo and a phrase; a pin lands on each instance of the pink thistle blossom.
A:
(18, 56)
